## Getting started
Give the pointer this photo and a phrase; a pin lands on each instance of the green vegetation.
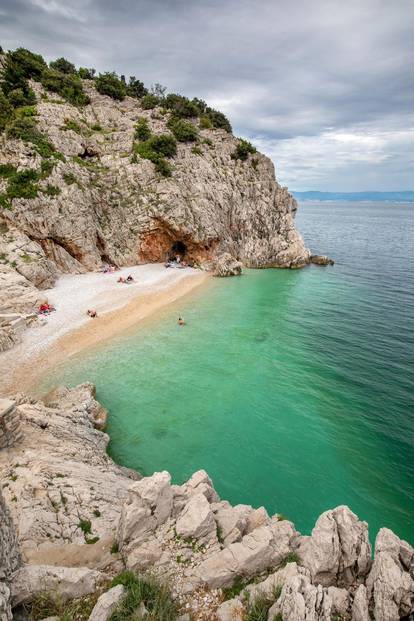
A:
(114, 548)
(259, 609)
(63, 65)
(47, 605)
(51, 190)
(243, 149)
(156, 149)
(86, 74)
(236, 588)
(97, 513)
(24, 128)
(183, 131)
(149, 101)
(180, 106)
(205, 123)
(155, 596)
(196, 151)
(68, 86)
(136, 88)
(110, 84)
(142, 130)
(85, 526)
(73, 125)
(292, 557)
(69, 178)
(23, 184)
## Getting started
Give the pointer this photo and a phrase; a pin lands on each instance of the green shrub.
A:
(259, 609)
(108, 83)
(205, 123)
(183, 130)
(73, 125)
(52, 605)
(218, 120)
(164, 144)
(196, 151)
(86, 74)
(136, 88)
(180, 106)
(51, 190)
(46, 168)
(96, 127)
(114, 548)
(155, 596)
(23, 184)
(142, 130)
(63, 65)
(149, 101)
(5, 202)
(163, 167)
(85, 526)
(6, 111)
(243, 149)
(236, 588)
(7, 171)
(25, 129)
(69, 178)
(292, 557)
(19, 97)
(67, 86)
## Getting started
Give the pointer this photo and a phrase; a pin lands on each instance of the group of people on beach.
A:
(177, 261)
(45, 308)
(126, 280)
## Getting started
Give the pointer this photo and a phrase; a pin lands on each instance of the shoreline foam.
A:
(69, 330)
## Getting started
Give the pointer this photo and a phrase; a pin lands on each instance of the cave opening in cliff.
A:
(178, 248)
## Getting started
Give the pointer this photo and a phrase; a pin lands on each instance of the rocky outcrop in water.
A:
(71, 518)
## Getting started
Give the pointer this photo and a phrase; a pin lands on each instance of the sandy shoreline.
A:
(69, 330)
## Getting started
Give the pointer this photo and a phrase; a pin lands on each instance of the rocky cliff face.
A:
(87, 197)
(79, 519)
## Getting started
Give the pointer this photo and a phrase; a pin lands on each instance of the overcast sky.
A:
(324, 87)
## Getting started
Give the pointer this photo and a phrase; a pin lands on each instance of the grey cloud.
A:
(283, 70)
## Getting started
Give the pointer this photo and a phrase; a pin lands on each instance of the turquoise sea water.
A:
(293, 389)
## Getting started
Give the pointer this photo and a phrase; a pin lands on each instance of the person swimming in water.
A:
(181, 321)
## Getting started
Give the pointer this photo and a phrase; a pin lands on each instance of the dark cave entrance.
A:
(178, 248)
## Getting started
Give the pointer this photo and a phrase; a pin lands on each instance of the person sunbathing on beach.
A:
(92, 313)
(181, 321)
(45, 308)
(121, 279)
(129, 278)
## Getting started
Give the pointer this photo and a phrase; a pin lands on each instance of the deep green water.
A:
(293, 389)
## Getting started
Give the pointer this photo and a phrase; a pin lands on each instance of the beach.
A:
(69, 329)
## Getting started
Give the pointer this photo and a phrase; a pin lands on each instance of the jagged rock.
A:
(232, 610)
(67, 582)
(232, 522)
(360, 605)
(148, 505)
(199, 483)
(83, 396)
(319, 259)
(17, 294)
(226, 265)
(144, 556)
(338, 552)
(264, 547)
(300, 600)
(107, 603)
(64, 480)
(196, 519)
(390, 583)
(5, 609)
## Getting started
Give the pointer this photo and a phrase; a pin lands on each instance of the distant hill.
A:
(405, 196)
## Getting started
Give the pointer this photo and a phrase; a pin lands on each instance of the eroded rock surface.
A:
(76, 519)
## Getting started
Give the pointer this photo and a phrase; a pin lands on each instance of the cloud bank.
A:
(326, 88)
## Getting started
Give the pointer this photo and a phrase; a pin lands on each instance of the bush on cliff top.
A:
(243, 149)
(109, 83)
(184, 131)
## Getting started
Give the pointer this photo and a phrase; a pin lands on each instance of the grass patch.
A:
(238, 585)
(259, 609)
(292, 557)
(156, 597)
(114, 548)
(243, 149)
(24, 128)
(51, 190)
(70, 124)
(48, 605)
(196, 151)
(85, 526)
(69, 178)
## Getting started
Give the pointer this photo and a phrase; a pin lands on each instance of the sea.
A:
(293, 389)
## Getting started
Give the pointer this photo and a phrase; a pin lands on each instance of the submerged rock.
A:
(319, 259)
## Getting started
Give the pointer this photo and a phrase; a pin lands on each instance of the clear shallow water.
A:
(293, 389)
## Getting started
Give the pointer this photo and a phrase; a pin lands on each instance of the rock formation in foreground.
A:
(87, 178)
(71, 519)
